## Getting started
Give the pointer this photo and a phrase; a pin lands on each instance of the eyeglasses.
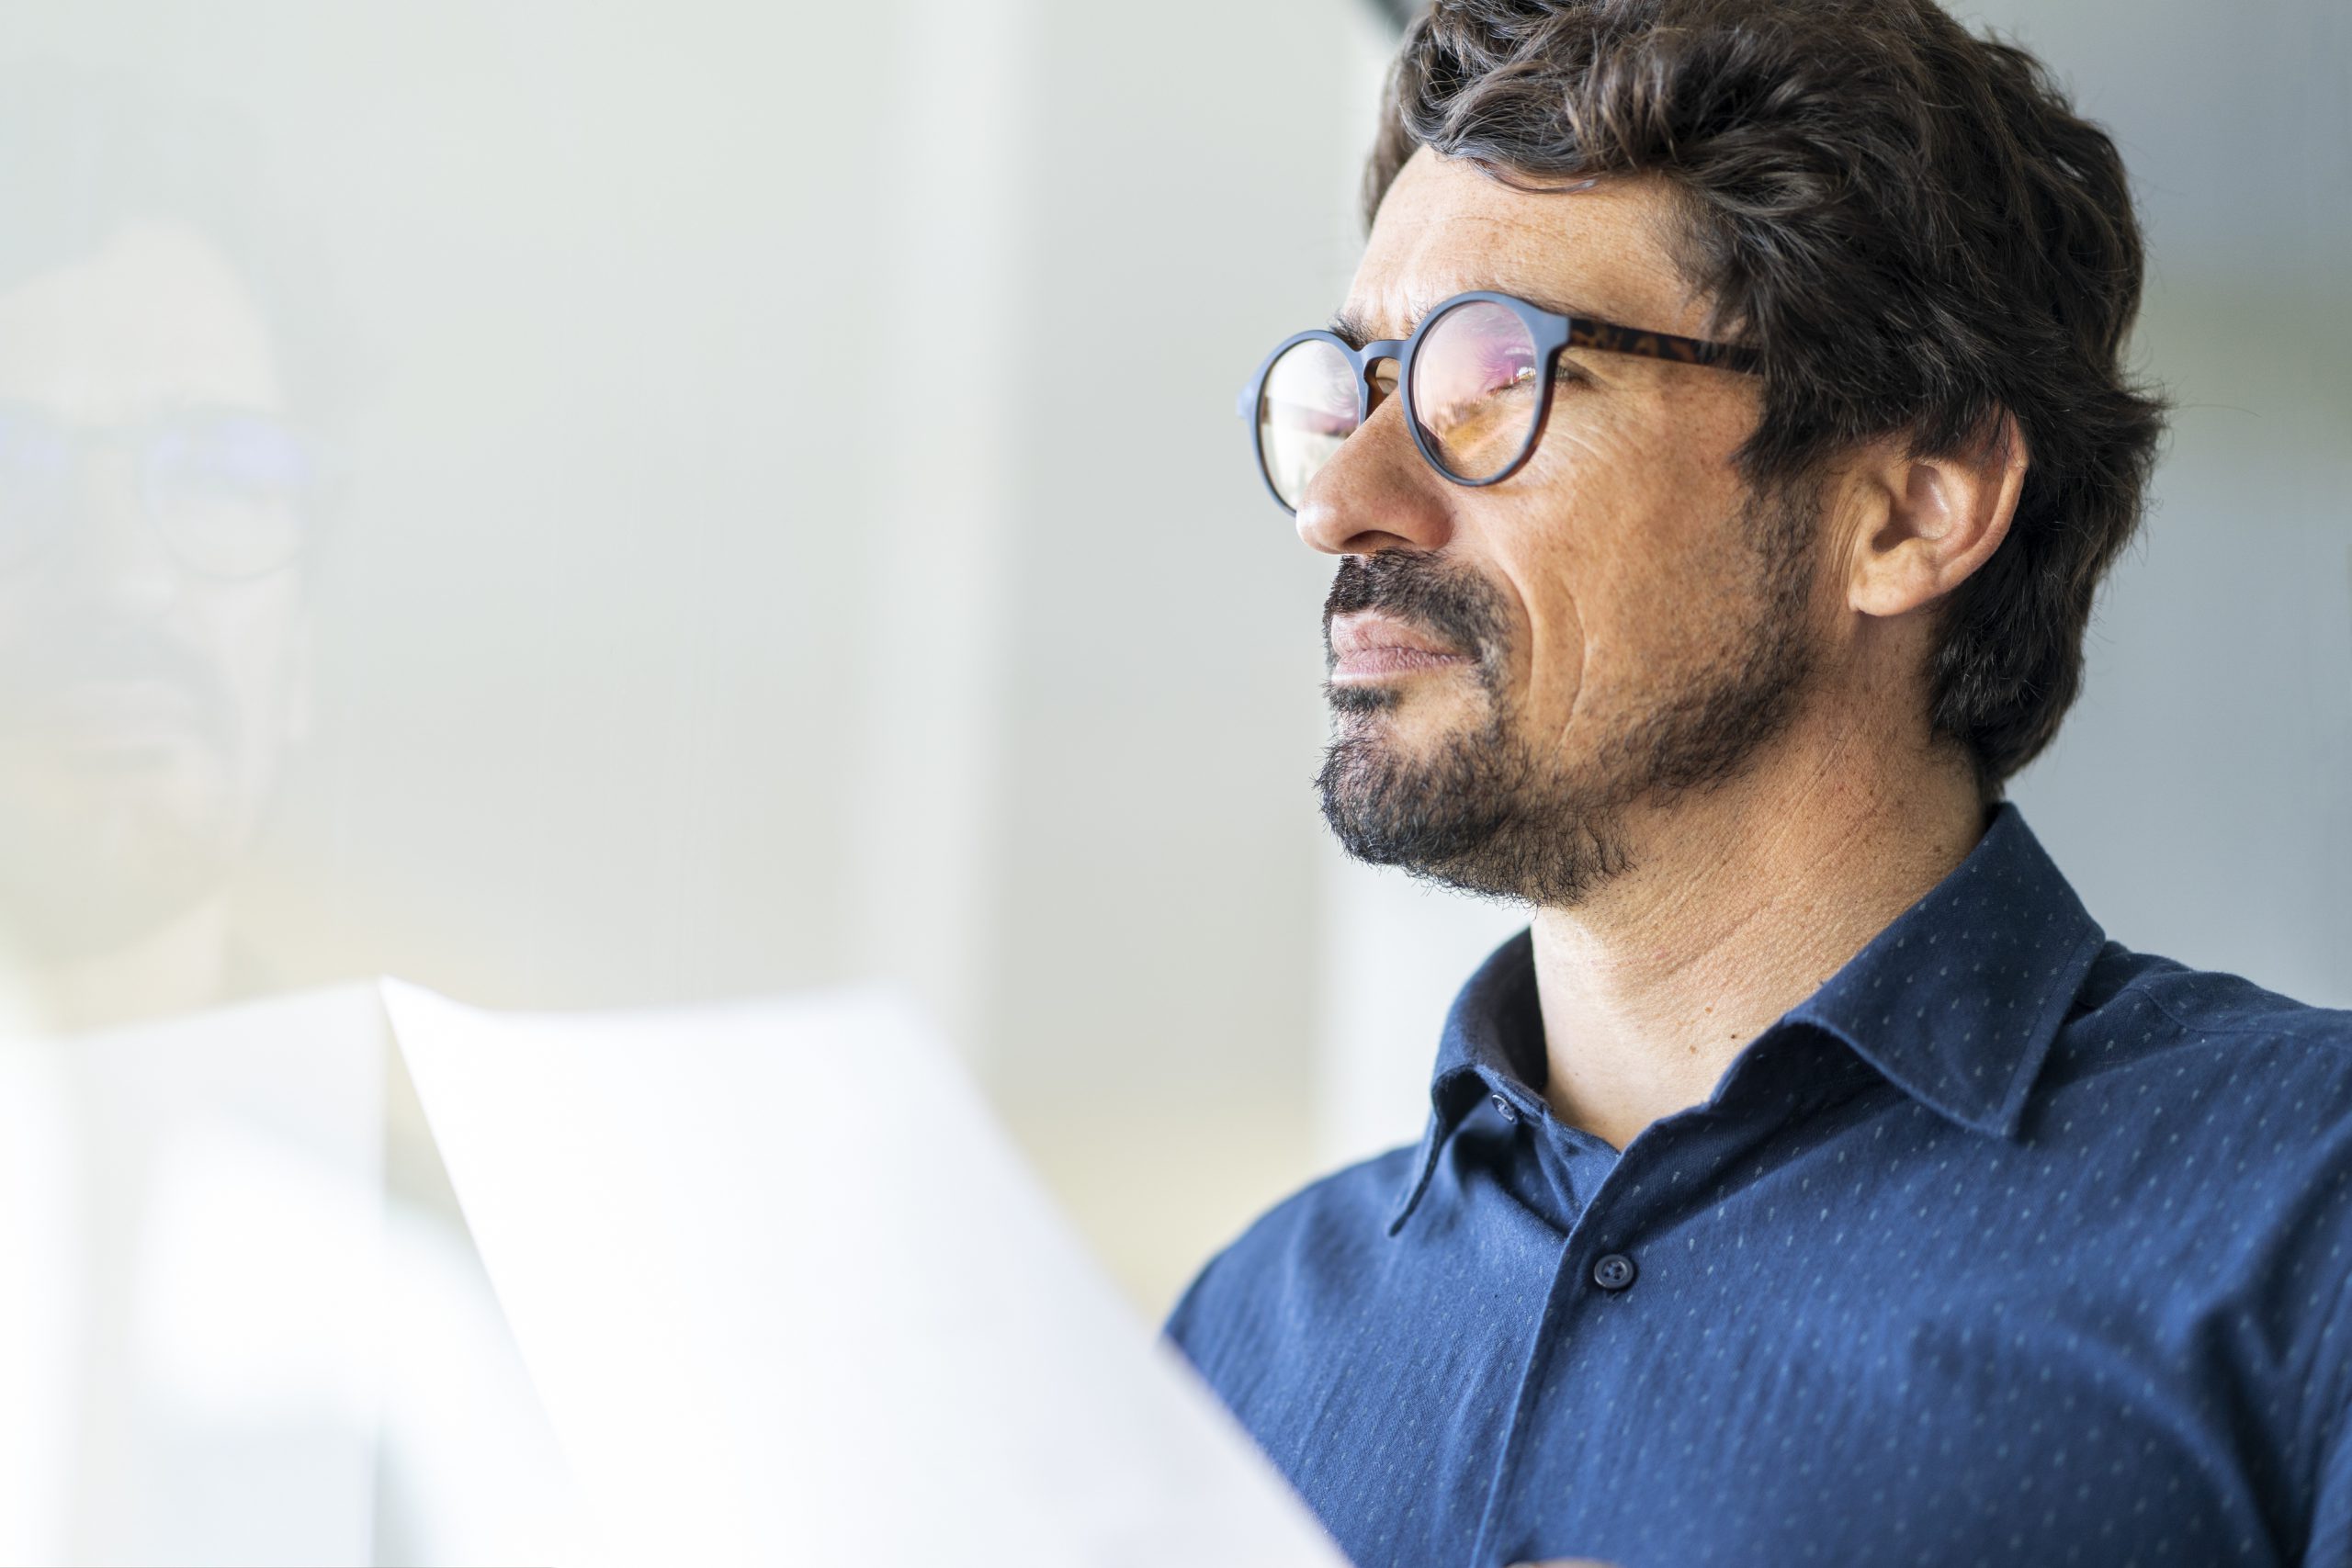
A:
(229, 492)
(1476, 375)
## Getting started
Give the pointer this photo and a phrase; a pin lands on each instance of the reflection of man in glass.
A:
(154, 502)
(161, 375)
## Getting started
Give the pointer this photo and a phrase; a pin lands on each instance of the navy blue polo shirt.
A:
(2009, 1245)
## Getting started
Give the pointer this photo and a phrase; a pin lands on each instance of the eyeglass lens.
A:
(1307, 407)
(1474, 394)
(1475, 390)
(225, 488)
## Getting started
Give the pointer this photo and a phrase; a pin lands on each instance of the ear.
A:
(1932, 521)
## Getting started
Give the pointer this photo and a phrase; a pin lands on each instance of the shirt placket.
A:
(1600, 1260)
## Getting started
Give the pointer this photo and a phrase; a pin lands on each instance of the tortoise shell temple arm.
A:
(1609, 337)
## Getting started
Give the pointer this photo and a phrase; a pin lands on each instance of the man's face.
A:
(144, 705)
(1619, 621)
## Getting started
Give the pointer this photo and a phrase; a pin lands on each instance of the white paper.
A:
(788, 1297)
(192, 1215)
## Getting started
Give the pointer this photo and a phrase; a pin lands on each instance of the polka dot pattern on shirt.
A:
(2008, 1244)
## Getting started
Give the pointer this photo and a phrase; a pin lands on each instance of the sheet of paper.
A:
(192, 1311)
(789, 1297)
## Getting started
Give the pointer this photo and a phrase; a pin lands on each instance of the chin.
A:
(1410, 711)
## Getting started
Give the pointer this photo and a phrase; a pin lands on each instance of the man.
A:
(1812, 1181)
(165, 359)
(158, 495)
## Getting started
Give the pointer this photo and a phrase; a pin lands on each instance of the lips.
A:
(118, 722)
(1367, 645)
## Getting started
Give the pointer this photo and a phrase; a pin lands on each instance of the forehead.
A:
(1444, 226)
(156, 315)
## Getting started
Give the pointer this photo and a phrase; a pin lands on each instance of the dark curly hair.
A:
(1910, 222)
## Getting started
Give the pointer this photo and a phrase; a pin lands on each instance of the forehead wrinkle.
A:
(1464, 268)
(1356, 326)
(1431, 269)
(1599, 248)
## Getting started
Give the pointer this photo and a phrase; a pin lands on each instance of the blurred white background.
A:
(775, 518)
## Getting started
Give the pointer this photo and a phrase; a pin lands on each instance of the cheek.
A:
(249, 631)
(1544, 575)
(1617, 553)
(1558, 658)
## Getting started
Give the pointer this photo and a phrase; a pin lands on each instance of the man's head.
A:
(1891, 534)
(153, 620)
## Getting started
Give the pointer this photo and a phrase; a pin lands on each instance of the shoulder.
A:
(2226, 1104)
(2158, 1060)
(2224, 1109)
(1290, 1269)
(2142, 1012)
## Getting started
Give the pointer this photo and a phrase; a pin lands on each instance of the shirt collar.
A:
(1956, 1002)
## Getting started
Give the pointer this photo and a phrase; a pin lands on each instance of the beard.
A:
(1488, 812)
(105, 841)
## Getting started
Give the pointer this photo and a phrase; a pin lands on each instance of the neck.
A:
(1739, 903)
(179, 967)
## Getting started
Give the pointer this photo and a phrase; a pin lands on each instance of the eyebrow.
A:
(1358, 331)
(1352, 327)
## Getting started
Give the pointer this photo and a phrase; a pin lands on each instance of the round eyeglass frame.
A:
(317, 485)
(1550, 331)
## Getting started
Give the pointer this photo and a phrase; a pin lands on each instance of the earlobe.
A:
(1936, 520)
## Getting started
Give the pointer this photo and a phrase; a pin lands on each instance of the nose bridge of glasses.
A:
(107, 481)
(1383, 367)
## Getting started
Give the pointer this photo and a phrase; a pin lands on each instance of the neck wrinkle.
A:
(1739, 904)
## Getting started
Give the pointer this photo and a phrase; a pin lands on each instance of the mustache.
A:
(48, 666)
(1415, 586)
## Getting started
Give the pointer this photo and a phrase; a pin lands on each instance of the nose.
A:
(1375, 494)
(115, 560)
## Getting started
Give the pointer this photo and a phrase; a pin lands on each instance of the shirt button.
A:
(1613, 1273)
(1510, 1111)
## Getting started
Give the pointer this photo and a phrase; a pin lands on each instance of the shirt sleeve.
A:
(1180, 1325)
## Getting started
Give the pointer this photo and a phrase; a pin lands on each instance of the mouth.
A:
(120, 721)
(1367, 646)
